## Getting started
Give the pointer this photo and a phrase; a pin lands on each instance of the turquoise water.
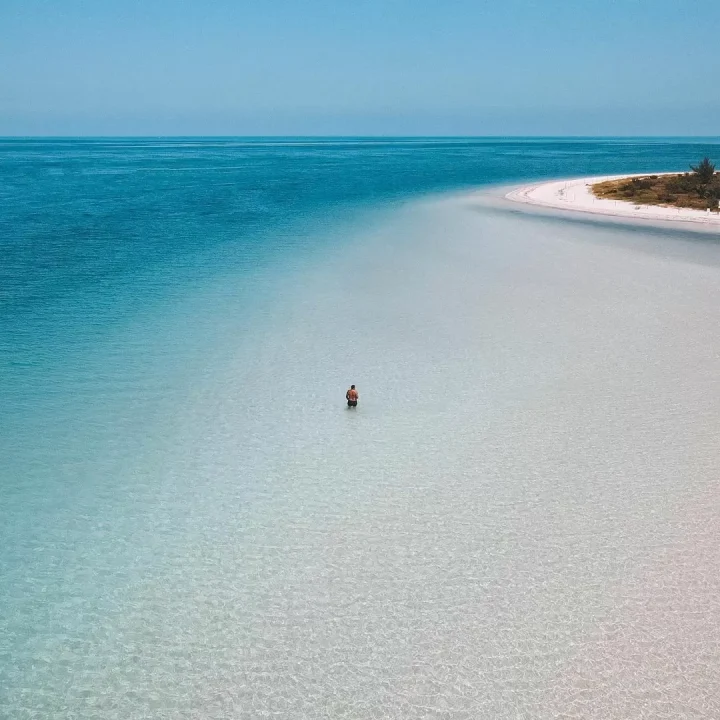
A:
(94, 231)
(192, 525)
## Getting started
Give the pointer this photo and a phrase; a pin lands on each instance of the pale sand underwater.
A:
(576, 195)
(521, 520)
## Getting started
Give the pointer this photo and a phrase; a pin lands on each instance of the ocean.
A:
(519, 519)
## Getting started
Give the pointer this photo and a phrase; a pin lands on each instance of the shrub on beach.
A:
(699, 189)
(705, 170)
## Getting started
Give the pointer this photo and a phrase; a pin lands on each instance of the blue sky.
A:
(459, 67)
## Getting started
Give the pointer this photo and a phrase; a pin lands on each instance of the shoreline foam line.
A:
(577, 195)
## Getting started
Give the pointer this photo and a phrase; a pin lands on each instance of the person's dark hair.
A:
(352, 387)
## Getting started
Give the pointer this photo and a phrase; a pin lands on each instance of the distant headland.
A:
(698, 189)
(678, 197)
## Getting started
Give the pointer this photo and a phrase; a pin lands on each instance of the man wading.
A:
(352, 396)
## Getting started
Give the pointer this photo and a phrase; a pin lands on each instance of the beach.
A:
(576, 195)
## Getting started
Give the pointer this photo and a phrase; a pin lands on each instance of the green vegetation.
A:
(699, 189)
(704, 171)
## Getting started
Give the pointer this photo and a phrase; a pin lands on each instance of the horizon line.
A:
(354, 137)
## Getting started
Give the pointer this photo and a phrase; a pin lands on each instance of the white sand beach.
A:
(577, 195)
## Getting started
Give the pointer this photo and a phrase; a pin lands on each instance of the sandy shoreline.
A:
(576, 195)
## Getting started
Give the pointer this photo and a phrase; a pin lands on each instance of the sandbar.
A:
(576, 195)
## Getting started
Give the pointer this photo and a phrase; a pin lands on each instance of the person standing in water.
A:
(352, 396)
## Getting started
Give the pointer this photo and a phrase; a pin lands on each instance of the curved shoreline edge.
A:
(576, 195)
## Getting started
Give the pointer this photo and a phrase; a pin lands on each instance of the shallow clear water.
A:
(519, 519)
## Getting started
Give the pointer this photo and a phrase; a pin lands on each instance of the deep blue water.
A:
(86, 215)
(172, 314)
(90, 229)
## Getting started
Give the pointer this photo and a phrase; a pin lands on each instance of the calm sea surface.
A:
(514, 523)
